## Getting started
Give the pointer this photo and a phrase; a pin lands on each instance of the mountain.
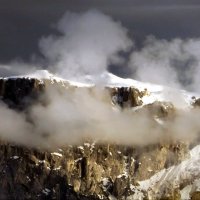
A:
(180, 98)
(164, 169)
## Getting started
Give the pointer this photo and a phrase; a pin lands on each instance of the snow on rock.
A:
(111, 197)
(159, 121)
(15, 157)
(189, 189)
(41, 161)
(81, 148)
(57, 168)
(57, 154)
(187, 170)
(138, 195)
(185, 192)
(196, 185)
(87, 144)
(125, 175)
(60, 150)
(105, 181)
(78, 159)
(79, 84)
(46, 191)
(38, 74)
(41, 74)
(180, 98)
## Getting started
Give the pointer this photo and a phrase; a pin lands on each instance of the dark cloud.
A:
(23, 22)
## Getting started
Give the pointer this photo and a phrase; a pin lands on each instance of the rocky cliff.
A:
(90, 170)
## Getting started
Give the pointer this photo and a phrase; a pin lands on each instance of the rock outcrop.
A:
(18, 91)
(88, 171)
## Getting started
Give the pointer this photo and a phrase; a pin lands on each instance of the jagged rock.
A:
(195, 195)
(160, 109)
(121, 186)
(2, 87)
(127, 97)
(28, 172)
(170, 194)
(196, 102)
(18, 92)
(152, 158)
(78, 172)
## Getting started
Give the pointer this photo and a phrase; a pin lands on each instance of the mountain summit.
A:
(180, 98)
(97, 138)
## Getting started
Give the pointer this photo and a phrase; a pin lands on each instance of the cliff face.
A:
(18, 91)
(88, 171)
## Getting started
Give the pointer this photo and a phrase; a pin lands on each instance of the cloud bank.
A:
(67, 116)
(87, 43)
(174, 63)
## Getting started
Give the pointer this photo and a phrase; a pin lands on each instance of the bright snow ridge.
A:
(39, 74)
(180, 98)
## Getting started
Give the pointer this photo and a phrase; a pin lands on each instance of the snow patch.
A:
(105, 181)
(15, 157)
(46, 191)
(185, 192)
(78, 159)
(57, 154)
(57, 168)
(81, 148)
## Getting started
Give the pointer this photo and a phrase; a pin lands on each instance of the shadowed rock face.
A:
(89, 171)
(127, 97)
(17, 92)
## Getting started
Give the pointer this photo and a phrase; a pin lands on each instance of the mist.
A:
(70, 116)
(86, 44)
(174, 63)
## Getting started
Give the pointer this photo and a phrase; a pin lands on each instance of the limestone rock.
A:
(90, 171)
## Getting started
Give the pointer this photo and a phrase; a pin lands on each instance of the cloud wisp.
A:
(174, 63)
(87, 44)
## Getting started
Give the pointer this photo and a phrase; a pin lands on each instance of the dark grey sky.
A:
(23, 22)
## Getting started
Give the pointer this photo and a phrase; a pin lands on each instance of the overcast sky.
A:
(23, 22)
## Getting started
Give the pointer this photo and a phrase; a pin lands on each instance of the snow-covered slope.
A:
(186, 172)
(180, 98)
(40, 75)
